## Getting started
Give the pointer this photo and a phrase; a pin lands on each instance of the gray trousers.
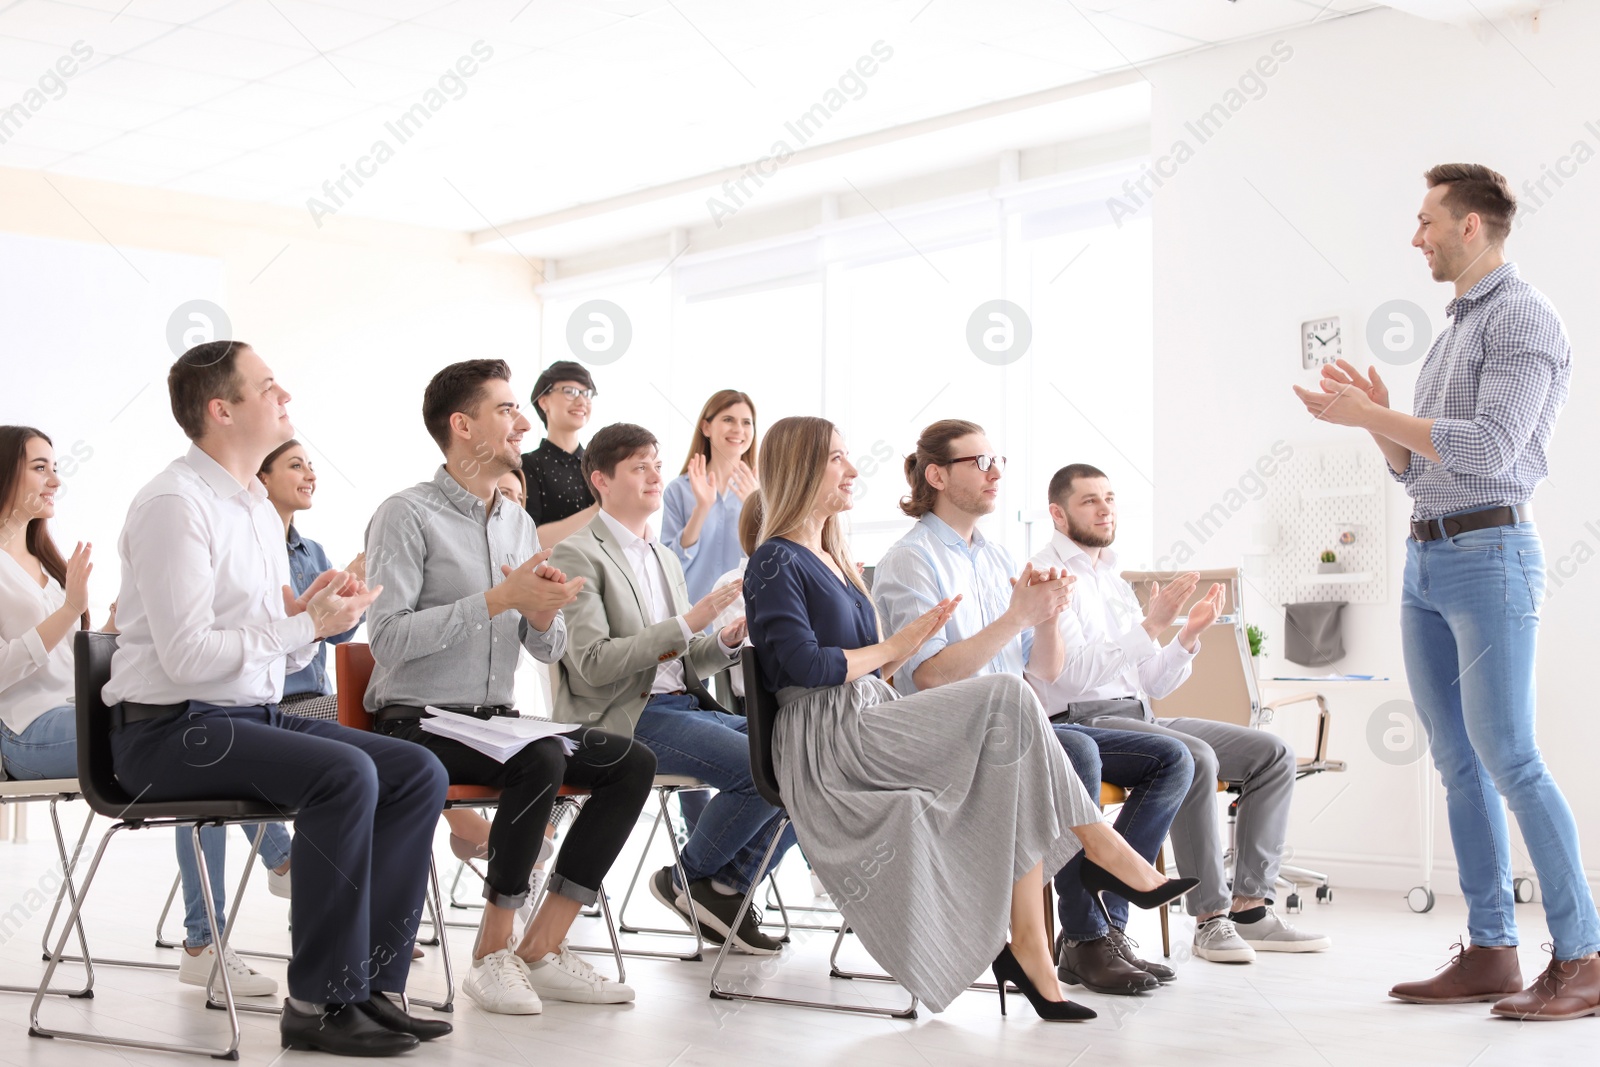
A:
(1259, 762)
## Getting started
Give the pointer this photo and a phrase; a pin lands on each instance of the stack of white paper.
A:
(499, 738)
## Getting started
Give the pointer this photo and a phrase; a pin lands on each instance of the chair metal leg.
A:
(230, 1052)
(227, 930)
(662, 795)
(718, 992)
(1166, 931)
(435, 901)
(64, 893)
(775, 900)
(166, 909)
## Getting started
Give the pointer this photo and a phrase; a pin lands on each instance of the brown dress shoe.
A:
(1474, 973)
(1097, 965)
(1568, 989)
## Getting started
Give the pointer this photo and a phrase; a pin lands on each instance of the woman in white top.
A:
(43, 601)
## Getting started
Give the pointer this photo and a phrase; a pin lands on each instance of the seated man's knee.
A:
(1205, 765)
(1084, 755)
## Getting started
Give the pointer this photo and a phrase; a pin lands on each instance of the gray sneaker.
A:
(1271, 934)
(1218, 940)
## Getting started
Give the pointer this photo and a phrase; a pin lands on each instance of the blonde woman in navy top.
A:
(931, 819)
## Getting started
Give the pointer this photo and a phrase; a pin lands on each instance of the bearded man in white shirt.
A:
(1115, 667)
(209, 625)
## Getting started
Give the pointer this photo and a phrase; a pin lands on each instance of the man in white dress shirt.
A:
(209, 625)
(1115, 667)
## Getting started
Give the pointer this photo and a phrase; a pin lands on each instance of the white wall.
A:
(1303, 205)
(354, 318)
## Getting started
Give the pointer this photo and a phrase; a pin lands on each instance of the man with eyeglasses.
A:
(1006, 623)
(559, 501)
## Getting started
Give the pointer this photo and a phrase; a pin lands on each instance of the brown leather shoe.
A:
(1125, 946)
(1474, 973)
(1097, 965)
(1568, 989)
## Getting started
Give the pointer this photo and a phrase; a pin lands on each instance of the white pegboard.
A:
(1316, 494)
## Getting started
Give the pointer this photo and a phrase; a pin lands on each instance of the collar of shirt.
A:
(947, 536)
(1480, 291)
(219, 481)
(295, 542)
(1075, 556)
(462, 499)
(630, 541)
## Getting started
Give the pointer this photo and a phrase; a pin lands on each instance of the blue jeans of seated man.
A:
(1469, 622)
(1156, 771)
(47, 748)
(274, 853)
(732, 834)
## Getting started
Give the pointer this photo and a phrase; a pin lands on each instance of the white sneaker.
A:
(564, 975)
(278, 884)
(536, 881)
(196, 970)
(499, 983)
(1218, 940)
(1271, 934)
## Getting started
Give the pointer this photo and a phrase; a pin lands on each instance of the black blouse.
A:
(556, 489)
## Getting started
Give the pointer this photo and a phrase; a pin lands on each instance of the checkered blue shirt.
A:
(1494, 382)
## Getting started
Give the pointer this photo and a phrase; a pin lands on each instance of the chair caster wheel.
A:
(1292, 905)
(1324, 894)
(1522, 890)
(1420, 899)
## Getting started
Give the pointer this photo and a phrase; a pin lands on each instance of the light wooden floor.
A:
(1322, 1009)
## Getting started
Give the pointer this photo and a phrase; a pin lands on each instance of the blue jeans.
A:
(48, 748)
(1156, 771)
(1469, 621)
(733, 832)
(274, 852)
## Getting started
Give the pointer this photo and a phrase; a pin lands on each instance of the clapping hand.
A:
(744, 481)
(1206, 611)
(702, 482)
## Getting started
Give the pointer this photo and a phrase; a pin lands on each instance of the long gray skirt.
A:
(920, 813)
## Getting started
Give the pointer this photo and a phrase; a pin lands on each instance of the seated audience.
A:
(558, 497)
(209, 628)
(932, 819)
(637, 661)
(700, 507)
(465, 590)
(44, 600)
(1006, 624)
(1115, 667)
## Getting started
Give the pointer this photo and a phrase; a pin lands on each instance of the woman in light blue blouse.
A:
(700, 508)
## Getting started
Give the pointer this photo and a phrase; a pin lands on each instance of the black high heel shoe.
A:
(1099, 881)
(1007, 969)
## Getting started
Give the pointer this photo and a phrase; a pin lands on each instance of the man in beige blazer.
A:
(635, 662)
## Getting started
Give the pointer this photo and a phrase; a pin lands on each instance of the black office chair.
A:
(106, 797)
(761, 709)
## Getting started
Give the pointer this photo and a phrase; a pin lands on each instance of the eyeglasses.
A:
(572, 392)
(983, 462)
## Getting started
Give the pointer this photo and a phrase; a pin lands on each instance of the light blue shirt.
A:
(717, 550)
(932, 562)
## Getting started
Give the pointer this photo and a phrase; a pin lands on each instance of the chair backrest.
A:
(352, 670)
(761, 709)
(1222, 686)
(91, 671)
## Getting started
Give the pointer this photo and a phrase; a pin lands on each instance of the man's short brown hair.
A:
(1061, 482)
(459, 387)
(610, 446)
(204, 373)
(1475, 189)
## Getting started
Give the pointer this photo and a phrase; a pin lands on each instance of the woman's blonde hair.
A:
(794, 456)
(700, 444)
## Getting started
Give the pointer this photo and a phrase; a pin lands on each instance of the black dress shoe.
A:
(387, 1013)
(340, 1030)
(1097, 965)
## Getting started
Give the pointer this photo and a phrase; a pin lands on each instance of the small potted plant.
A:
(1330, 563)
(1257, 639)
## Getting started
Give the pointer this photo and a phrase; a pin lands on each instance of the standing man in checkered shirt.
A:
(1485, 407)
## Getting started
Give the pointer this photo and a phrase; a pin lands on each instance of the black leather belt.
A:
(1483, 519)
(132, 711)
(398, 712)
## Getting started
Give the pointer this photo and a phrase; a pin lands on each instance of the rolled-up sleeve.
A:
(1522, 356)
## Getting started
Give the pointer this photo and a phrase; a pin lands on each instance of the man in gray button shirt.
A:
(465, 590)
